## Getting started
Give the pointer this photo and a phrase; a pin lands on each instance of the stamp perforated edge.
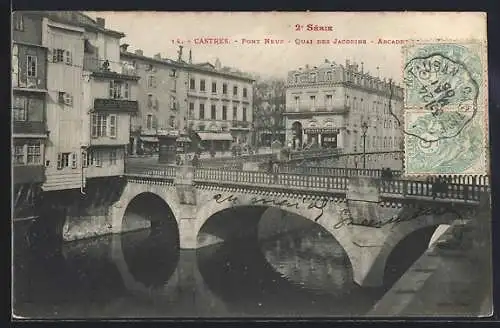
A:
(485, 110)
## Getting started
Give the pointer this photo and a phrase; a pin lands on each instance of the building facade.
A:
(109, 101)
(29, 123)
(162, 98)
(89, 100)
(220, 106)
(328, 105)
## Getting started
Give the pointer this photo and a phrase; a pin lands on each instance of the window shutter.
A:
(67, 57)
(157, 104)
(59, 161)
(85, 159)
(73, 160)
(111, 89)
(94, 125)
(126, 90)
(112, 125)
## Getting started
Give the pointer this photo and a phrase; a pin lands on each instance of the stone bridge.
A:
(368, 216)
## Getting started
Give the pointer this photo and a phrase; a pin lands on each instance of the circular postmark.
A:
(443, 156)
(442, 78)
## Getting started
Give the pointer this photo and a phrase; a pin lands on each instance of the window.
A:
(213, 112)
(15, 66)
(328, 76)
(112, 125)
(192, 84)
(235, 90)
(297, 101)
(96, 158)
(202, 85)
(313, 77)
(18, 154)
(171, 121)
(374, 141)
(244, 92)
(191, 110)
(58, 55)
(202, 111)
(112, 157)
(63, 160)
(149, 121)
(19, 108)
(31, 65)
(224, 113)
(244, 114)
(313, 101)
(224, 88)
(235, 113)
(151, 81)
(99, 125)
(34, 153)
(201, 127)
(214, 87)
(74, 160)
(329, 100)
(18, 22)
(126, 90)
(119, 90)
(173, 103)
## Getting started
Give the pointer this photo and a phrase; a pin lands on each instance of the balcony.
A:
(31, 84)
(303, 109)
(30, 128)
(116, 105)
(28, 174)
(110, 69)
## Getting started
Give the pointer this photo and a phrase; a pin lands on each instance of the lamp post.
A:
(364, 128)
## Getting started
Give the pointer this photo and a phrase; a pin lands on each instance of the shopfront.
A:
(218, 141)
(323, 137)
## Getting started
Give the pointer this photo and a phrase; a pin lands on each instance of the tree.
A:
(269, 105)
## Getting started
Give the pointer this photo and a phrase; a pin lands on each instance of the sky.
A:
(157, 32)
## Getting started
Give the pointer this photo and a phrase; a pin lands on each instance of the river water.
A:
(144, 274)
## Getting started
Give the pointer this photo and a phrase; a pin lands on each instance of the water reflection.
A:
(144, 274)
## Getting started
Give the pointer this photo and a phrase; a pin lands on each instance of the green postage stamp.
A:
(445, 108)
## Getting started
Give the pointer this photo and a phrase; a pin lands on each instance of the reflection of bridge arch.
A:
(367, 247)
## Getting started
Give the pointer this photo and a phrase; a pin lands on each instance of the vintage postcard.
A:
(250, 165)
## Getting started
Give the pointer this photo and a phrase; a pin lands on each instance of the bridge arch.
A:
(164, 196)
(395, 234)
(326, 217)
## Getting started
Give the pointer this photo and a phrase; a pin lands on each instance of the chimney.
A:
(123, 47)
(100, 21)
(307, 66)
(179, 54)
(139, 52)
(347, 63)
(190, 57)
(362, 68)
(326, 61)
(157, 56)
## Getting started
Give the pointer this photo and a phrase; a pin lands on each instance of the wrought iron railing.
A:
(335, 171)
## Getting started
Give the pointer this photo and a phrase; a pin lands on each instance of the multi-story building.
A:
(109, 100)
(328, 105)
(162, 98)
(29, 88)
(89, 100)
(220, 106)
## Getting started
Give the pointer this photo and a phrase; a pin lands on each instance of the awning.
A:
(149, 139)
(215, 136)
(183, 139)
